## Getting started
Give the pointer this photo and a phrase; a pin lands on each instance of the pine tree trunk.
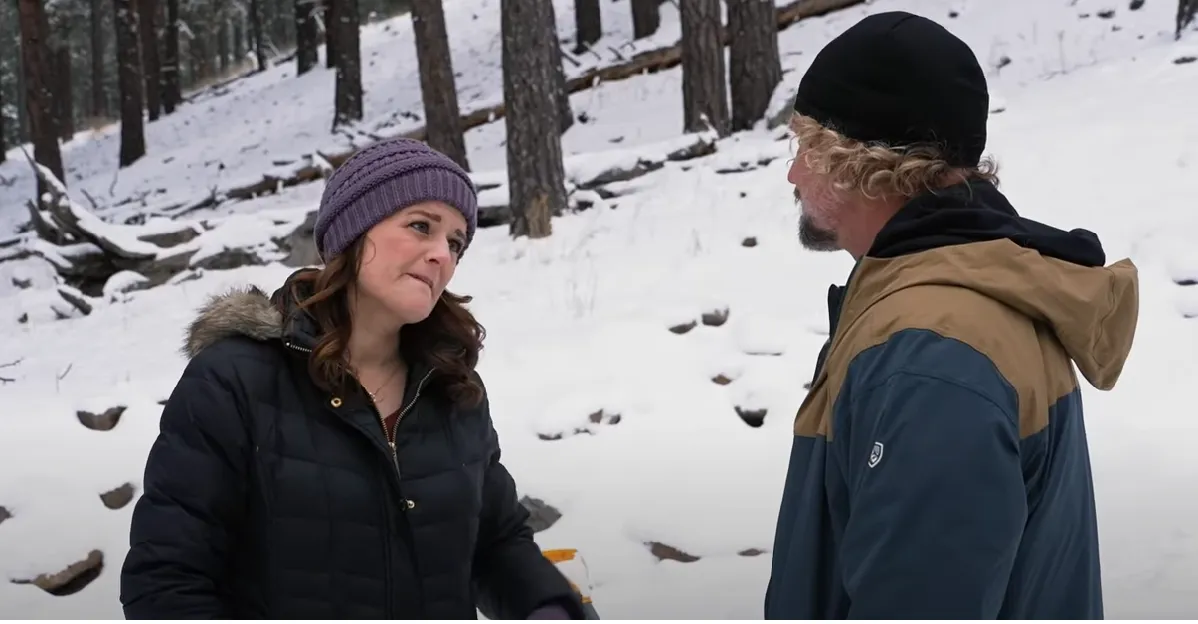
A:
(282, 14)
(442, 117)
(588, 24)
(704, 91)
(1187, 12)
(23, 133)
(238, 41)
(306, 54)
(201, 53)
(64, 109)
(330, 33)
(3, 143)
(38, 77)
(754, 67)
(129, 81)
(256, 35)
(646, 18)
(565, 116)
(536, 178)
(147, 26)
(99, 100)
(222, 45)
(347, 99)
(172, 85)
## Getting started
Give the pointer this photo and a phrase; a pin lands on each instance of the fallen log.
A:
(648, 62)
(318, 165)
(96, 260)
(588, 174)
(653, 61)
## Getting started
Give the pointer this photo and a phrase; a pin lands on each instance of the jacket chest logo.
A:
(875, 454)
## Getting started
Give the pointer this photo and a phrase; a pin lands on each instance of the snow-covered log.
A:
(588, 174)
(308, 168)
(98, 261)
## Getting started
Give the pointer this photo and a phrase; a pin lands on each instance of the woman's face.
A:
(409, 258)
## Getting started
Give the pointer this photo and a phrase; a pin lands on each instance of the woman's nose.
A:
(439, 252)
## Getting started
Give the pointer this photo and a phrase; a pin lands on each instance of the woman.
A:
(328, 452)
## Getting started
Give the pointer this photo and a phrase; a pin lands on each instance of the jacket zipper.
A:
(404, 502)
(389, 436)
(292, 345)
(392, 435)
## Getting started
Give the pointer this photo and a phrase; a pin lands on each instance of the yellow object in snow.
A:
(572, 566)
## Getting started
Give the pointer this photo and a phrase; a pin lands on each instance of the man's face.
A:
(819, 204)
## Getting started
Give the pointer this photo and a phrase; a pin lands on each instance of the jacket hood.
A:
(970, 236)
(238, 312)
(250, 312)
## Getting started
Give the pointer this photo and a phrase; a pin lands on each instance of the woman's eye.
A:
(419, 226)
(455, 246)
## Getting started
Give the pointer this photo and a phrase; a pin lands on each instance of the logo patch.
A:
(875, 454)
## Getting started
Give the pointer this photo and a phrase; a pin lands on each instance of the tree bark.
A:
(23, 133)
(129, 81)
(704, 91)
(222, 45)
(3, 143)
(347, 97)
(1187, 12)
(147, 25)
(202, 69)
(536, 177)
(238, 42)
(38, 77)
(754, 66)
(565, 116)
(588, 24)
(646, 18)
(281, 13)
(306, 52)
(99, 99)
(256, 34)
(330, 34)
(437, 86)
(64, 108)
(172, 86)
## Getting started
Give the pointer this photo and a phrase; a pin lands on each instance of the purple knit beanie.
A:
(382, 179)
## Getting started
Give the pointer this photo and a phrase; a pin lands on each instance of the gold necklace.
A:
(374, 395)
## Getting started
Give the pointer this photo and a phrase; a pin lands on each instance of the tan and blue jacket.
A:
(940, 467)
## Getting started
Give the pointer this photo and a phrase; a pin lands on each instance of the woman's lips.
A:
(427, 282)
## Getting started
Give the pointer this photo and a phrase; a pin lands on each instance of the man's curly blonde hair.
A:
(876, 170)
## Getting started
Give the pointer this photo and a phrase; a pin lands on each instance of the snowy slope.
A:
(578, 322)
(237, 136)
(220, 142)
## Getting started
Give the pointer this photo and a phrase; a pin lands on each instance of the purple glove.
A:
(550, 611)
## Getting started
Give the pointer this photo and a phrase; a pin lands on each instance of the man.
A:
(940, 466)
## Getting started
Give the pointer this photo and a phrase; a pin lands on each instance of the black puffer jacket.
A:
(265, 497)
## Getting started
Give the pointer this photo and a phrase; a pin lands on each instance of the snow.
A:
(1096, 131)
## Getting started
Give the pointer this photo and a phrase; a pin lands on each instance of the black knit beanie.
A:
(900, 79)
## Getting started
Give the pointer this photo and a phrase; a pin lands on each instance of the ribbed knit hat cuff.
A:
(967, 155)
(394, 195)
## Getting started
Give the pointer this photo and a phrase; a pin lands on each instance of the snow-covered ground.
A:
(1097, 130)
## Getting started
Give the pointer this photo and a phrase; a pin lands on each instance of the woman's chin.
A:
(411, 311)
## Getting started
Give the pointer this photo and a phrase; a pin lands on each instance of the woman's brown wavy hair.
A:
(449, 340)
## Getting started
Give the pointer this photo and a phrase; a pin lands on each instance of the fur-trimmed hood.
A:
(243, 311)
